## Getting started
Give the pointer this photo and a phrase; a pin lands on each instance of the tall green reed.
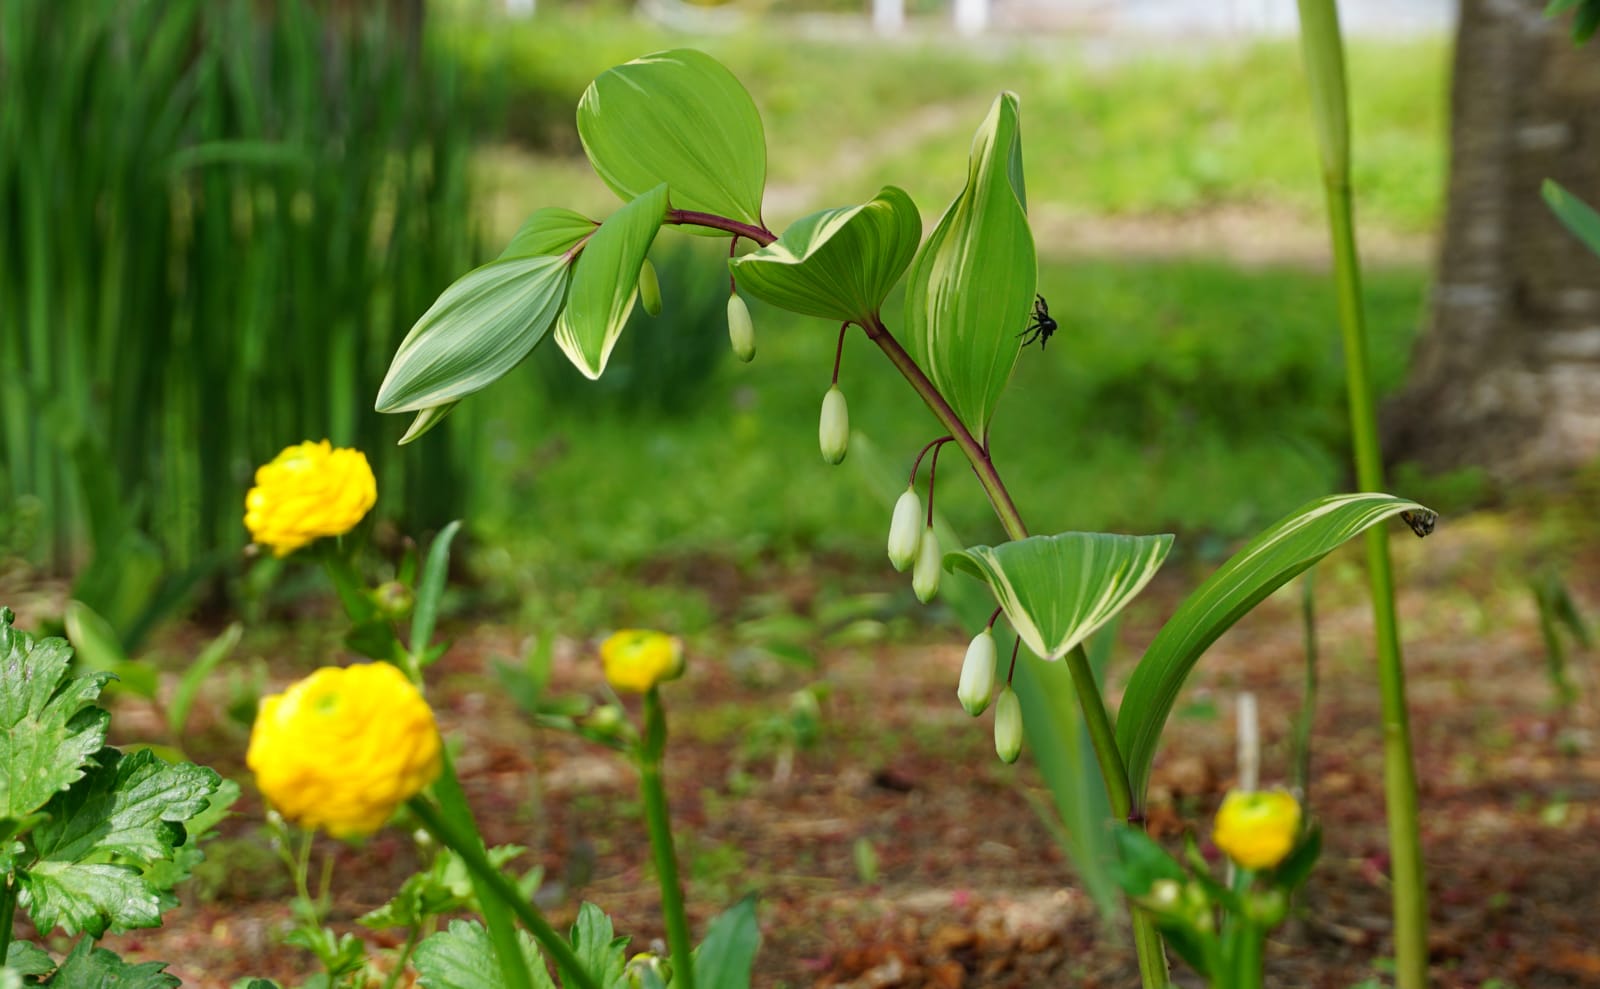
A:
(215, 225)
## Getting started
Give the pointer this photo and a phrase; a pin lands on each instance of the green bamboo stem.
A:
(1324, 55)
(660, 825)
(467, 844)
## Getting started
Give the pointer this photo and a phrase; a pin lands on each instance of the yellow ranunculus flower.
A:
(309, 491)
(638, 659)
(341, 749)
(1257, 829)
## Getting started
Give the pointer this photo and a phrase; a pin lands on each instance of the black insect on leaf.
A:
(1421, 521)
(1042, 326)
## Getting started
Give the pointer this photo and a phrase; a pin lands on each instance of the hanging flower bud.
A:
(905, 530)
(649, 288)
(833, 432)
(741, 331)
(977, 673)
(1008, 725)
(925, 575)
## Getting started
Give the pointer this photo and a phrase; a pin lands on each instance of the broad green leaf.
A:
(462, 957)
(725, 957)
(480, 328)
(838, 264)
(99, 648)
(677, 117)
(48, 725)
(601, 953)
(133, 807)
(91, 897)
(1574, 214)
(27, 958)
(605, 282)
(548, 231)
(431, 589)
(89, 967)
(1269, 561)
(970, 292)
(1056, 590)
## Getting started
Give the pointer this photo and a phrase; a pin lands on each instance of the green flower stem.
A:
(462, 835)
(467, 844)
(651, 750)
(406, 950)
(1146, 939)
(1324, 56)
(8, 911)
(1245, 957)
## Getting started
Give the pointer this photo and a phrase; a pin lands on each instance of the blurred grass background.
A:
(215, 224)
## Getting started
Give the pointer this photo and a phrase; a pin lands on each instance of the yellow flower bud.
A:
(905, 530)
(833, 431)
(636, 660)
(741, 331)
(925, 575)
(649, 288)
(341, 749)
(977, 674)
(1257, 829)
(1008, 725)
(307, 492)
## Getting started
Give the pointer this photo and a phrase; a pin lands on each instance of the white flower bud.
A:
(925, 575)
(649, 288)
(977, 674)
(1008, 725)
(833, 432)
(905, 530)
(741, 331)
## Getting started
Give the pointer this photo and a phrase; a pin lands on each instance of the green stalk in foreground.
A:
(1324, 56)
(660, 825)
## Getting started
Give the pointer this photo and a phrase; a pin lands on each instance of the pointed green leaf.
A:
(426, 420)
(99, 648)
(462, 957)
(681, 118)
(48, 725)
(1575, 214)
(431, 589)
(599, 950)
(1056, 590)
(480, 328)
(725, 957)
(1268, 562)
(970, 292)
(838, 264)
(605, 282)
(89, 967)
(548, 231)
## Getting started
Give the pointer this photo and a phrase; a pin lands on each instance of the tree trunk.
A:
(1507, 377)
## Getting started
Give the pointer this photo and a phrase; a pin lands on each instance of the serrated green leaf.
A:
(165, 875)
(48, 726)
(1056, 590)
(1574, 214)
(462, 957)
(839, 263)
(1269, 561)
(549, 231)
(480, 328)
(605, 282)
(92, 897)
(677, 117)
(725, 958)
(601, 953)
(131, 806)
(88, 967)
(970, 292)
(27, 958)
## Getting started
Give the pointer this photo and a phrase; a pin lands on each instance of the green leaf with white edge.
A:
(838, 264)
(600, 951)
(431, 589)
(481, 327)
(426, 420)
(27, 958)
(725, 958)
(133, 807)
(89, 967)
(1574, 214)
(1270, 560)
(1056, 590)
(677, 117)
(88, 897)
(49, 727)
(605, 282)
(551, 230)
(462, 957)
(970, 292)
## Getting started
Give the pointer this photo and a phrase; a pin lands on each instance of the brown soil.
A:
(969, 888)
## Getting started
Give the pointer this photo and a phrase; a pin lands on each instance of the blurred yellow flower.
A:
(638, 659)
(341, 749)
(309, 491)
(1257, 829)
